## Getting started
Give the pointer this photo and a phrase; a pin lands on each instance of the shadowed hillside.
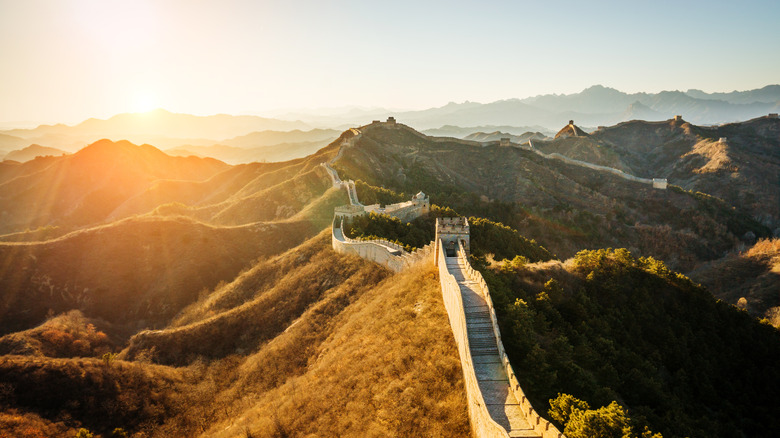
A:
(141, 270)
(563, 206)
(232, 315)
(749, 280)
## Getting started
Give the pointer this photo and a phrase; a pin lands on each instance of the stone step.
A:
(485, 352)
(523, 433)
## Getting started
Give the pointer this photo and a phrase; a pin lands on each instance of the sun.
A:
(144, 101)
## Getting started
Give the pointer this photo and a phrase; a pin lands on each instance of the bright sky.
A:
(65, 61)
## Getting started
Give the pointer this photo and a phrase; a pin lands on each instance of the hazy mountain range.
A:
(597, 105)
(159, 127)
(222, 136)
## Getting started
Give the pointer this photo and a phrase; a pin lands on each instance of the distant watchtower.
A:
(571, 122)
(659, 183)
(391, 120)
(772, 116)
(505, 142)
(450, 231)
(678, 118)
(422, 201)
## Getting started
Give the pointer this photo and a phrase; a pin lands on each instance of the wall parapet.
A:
(455, 231)
(482, 424)
(658, 183)
(386, 253)
(540, 425)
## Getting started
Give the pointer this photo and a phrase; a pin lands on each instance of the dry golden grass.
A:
(389, 367)
(66, 335)
(753, 275)
(256, 307)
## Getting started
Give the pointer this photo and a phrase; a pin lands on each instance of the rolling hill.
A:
(32, 151)
(268, 335)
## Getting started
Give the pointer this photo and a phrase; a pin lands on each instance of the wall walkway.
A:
(659, 183)
(503, 397)
(497, 405)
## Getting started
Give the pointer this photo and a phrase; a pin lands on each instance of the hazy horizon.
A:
(65, 62)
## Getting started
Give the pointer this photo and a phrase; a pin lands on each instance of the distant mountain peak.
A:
(571, 130)
(600, 89)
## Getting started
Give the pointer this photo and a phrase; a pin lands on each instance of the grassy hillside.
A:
(389, 367)
(744, 170)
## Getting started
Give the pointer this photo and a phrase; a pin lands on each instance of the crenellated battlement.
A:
(502, 413)
(658, 183)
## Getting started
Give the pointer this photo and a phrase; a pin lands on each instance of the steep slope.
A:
(386, 366)
(83, 188)
(571, 130)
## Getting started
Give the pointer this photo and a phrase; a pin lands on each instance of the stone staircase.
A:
(491, 375)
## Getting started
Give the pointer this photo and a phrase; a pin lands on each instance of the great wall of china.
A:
(497, 405)
(658, 183)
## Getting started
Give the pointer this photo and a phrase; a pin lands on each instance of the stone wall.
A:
(395, 258)
(659, 183)
(540, 425)
(482, 424)
(386, 253)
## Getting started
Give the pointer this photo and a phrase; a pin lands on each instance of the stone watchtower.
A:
(422, 201)
(449, 232)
